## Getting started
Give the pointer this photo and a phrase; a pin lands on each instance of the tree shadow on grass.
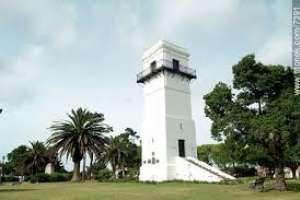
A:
(295, 187)
(292, 185)
(16, 190)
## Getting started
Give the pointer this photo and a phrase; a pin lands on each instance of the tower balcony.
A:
(165, 65)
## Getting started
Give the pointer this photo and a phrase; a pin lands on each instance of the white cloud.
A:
(277, 49)
(173, 15)
(53, 21)
(18, 81)
(49, 27)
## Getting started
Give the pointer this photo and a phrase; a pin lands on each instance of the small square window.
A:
(153, 160)
(181, 126)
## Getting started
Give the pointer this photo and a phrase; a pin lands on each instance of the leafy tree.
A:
(226, 155)
(115, 153)
(293, 158)
(122, 152)
(204, 153)
(32, 159)
(16, 160)
(7, 168)
(82, 133)
(131, 138)
(250, 118)
(278, 131)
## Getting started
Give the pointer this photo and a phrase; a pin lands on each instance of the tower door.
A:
(181, 148)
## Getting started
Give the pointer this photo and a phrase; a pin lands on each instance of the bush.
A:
(56, 177)
(27, 178)
(132, 173)
(242, 171)
(9, 179)
(125, 179)
(59, 177)
(108, 176)
(39, 178)
(33, 179)
(104, 175)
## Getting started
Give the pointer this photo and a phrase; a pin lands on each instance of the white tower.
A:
(168, 131)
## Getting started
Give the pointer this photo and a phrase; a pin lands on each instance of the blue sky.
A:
(61, 54)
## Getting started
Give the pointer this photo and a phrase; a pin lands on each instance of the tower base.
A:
(185, 169)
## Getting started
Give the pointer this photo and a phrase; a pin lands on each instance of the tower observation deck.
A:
(163, 65)
(157, 60)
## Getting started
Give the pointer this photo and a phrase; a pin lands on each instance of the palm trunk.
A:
(259, 107)
(294, 169)
(114, 168)
(123, 171)
(76, 172)
(280, 179)
(83, 168)
(22, 171)
(91, 165)
(293, 172)
(1, 170)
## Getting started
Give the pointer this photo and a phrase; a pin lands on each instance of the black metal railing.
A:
(165, 65)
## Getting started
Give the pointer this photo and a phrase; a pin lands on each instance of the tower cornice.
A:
(163, 44)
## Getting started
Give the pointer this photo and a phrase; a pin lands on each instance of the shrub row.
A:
(42, 178)
(108, 176)
(104, 175)
(9, 179)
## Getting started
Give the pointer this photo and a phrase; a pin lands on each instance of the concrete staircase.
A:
(210, 169)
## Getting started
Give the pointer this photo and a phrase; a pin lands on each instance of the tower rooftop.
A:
(165, 56)
(163, 44)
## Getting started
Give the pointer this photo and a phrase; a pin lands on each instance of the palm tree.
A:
(116, 153)
(81, 134)
(36, 158)
(122, 152)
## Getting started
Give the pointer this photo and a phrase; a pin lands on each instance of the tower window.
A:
(181, 126)
(176, 65)
(153, 65)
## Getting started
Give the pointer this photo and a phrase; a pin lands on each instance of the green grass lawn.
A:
(132, 191)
